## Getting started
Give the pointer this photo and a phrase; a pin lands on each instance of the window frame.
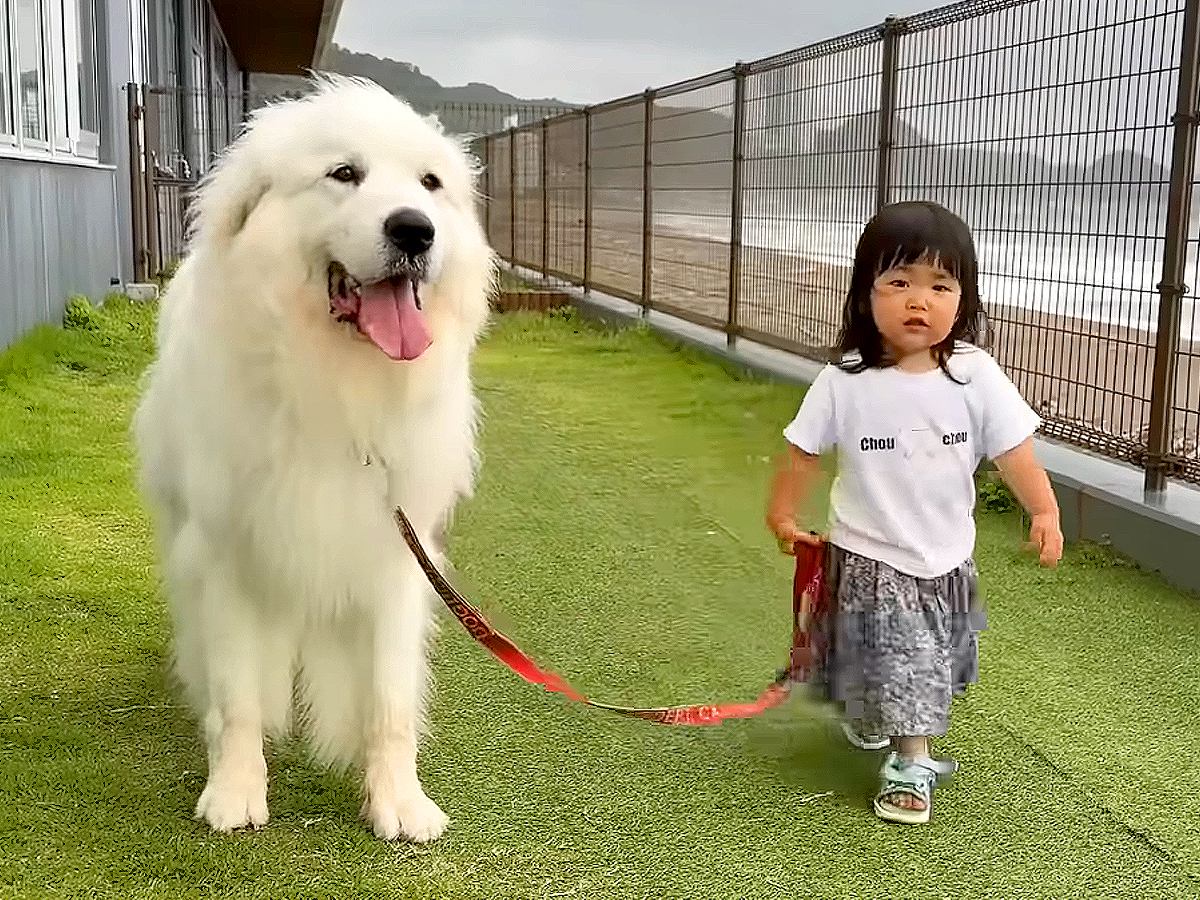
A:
(84, 142)
(8, 95)
(37, 144)
(61, 88)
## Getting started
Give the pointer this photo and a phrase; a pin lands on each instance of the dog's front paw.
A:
(233, 800)
(414, 817)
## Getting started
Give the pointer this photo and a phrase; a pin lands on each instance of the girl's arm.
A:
(795, 473)
(1028, 480)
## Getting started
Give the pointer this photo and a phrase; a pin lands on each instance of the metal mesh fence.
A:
(527, 196)
(486, 118)
(1043, 126)
(617, 172)
(183, 131)
(1052, 127)
(691, 160)
(811, 139)
(499, 194)
(1184, 413)
(565, 141)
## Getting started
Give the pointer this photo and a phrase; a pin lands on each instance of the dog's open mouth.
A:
(386, 312)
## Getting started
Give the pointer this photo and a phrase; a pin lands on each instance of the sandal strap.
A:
(939, 767)
(915, 777)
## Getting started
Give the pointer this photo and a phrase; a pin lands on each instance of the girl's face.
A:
(914, 306)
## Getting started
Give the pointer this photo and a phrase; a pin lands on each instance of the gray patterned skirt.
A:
(900, 648)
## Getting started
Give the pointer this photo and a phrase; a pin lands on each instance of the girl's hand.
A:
(1029, 482)
(1045, 536)
(795, 472)
(788, 534)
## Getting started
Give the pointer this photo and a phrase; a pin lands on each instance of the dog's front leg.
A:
(395, 803)
(236, 792)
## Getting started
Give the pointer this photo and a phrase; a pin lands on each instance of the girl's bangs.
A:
(914, 254)
(916, 235)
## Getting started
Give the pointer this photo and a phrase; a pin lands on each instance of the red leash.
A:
(808, 606)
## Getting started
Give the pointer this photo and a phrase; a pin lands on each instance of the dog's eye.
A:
(431, 182)
(346, 174)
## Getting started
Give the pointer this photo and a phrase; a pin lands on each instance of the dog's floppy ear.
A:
(227, 197)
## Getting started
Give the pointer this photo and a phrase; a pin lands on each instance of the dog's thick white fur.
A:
(274, 441)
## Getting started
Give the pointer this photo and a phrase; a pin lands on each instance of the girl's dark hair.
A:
(903, 234)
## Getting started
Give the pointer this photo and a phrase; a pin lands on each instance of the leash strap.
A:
(808, 605)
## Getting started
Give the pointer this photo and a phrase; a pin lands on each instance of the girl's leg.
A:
(911, 747)
(913, 666)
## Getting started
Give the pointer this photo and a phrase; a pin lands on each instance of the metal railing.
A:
(1063, 131)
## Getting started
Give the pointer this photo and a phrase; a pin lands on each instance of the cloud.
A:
(592, 50)
(579, 70)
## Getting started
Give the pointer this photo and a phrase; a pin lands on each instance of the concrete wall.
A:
(64, 222)
(57, 237)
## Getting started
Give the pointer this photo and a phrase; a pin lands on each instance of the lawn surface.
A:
(616, 535)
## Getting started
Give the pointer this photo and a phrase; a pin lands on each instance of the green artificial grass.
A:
(507, 281)
(616, 534)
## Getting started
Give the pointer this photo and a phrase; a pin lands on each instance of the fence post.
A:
(545, 201)
(512, 195)
(735, 202)
(647, 199)
(151, 141)
(492, 142)
(587, 199)
(137, 203)
(891, 30)
(1172, 288)
(487, 186)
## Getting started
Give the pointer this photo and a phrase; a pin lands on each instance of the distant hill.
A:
(405, 80)
(474, 108)
(411, 83)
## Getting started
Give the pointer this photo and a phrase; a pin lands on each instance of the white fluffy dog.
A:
(313, 373)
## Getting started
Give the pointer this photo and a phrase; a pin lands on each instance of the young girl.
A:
(911, 407)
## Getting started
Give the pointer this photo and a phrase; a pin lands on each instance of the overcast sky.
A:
(591, 50)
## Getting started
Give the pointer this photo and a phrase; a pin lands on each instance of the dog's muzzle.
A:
(387, 312)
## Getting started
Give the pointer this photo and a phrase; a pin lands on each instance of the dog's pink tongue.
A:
(390, 318)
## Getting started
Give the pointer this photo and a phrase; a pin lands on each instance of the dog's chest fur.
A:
(352, 442)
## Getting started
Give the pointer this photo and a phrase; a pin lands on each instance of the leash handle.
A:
(809, 608)
(807, 603)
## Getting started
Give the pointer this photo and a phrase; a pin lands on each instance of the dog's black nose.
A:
(409, 230)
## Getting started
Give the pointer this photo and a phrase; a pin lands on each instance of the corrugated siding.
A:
(57, 238)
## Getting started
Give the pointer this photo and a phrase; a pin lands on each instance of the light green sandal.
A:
(915, 778)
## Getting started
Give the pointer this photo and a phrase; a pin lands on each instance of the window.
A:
(7, 133)
(165, 53)
(31, 70)
(57, 96)
(81, 94)
(218, 122)
(49, 77)
(88, 71)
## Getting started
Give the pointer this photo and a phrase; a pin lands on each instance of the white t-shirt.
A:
(908, 448)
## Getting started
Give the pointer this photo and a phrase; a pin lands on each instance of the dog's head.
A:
(372, 201)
